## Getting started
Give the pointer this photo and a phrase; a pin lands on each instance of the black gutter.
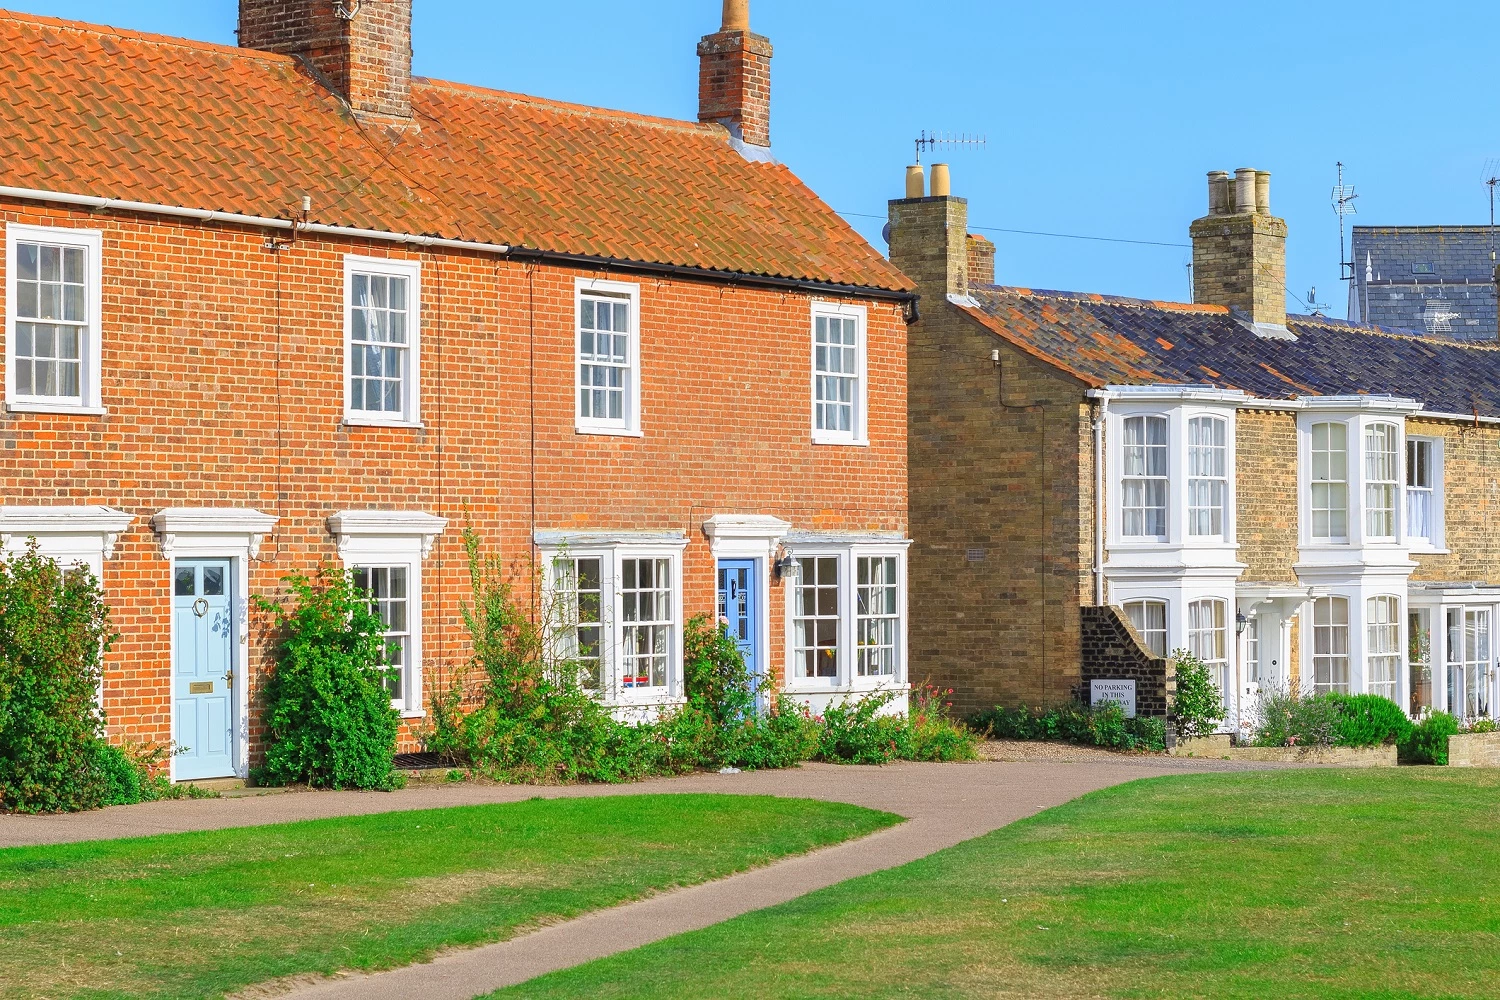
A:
(687, 273)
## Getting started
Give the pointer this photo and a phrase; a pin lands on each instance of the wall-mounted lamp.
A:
(786, 564)
(1240, 623)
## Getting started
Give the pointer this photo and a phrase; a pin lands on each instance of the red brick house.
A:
(286, 305)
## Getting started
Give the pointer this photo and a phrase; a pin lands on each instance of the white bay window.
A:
(846, 613)
(1330, 481)
(1144, 486)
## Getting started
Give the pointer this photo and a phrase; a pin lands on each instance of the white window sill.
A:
(406, 716)
(847, 442)
(608, 431)
(358, 420)
(26, 406)
(1427, 550)
(865, 685)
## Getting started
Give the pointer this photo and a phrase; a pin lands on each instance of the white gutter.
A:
(1102, 396)
(203, 215)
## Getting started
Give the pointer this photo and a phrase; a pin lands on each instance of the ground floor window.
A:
(1252, 650)
(390, 599)
(846, 616)
(1330, 645)
(614, 615)
(1383, 646)
(1419, 659)
(1150, 621)
(1208, 638)
(1469, 668)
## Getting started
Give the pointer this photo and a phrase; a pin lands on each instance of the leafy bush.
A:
(1198, 706)
(856, 733)
(718, 683)
(54, 632)
(1104, 725)
(328, 715)
(1287, 719)
(784, 736)
(1369, 720)
(935, 734)
(1427, 742)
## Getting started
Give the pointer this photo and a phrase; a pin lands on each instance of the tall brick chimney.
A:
(734, 78)
(1239, 249)
(929, 236)
(361, 47)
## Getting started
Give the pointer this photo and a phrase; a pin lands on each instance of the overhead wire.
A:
(1034, 232)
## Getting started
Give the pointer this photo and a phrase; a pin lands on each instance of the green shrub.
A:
(1104, 725)
(1482, 726)
(935, 734)
(121, 777)
(328, 715)
(1198, 706)
(1369, 720)
(784, 736)
(1427, 742)
(1287, 719)
(855, 732)
(54, 632)
(717, 681)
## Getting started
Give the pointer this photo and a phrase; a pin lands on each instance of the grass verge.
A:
(1324, 885)
(203, 914)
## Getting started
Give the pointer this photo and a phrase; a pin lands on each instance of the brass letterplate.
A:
(201, 687)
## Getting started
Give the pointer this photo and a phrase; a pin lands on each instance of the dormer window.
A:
(1208, 475)
(1144, 483)
(1382, 469)
(1330, 482)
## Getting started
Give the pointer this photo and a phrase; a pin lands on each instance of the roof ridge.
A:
(1100, 298)
(583, 110)
(171, 41)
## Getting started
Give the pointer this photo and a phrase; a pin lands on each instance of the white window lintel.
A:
(185, 531)
(352, 527)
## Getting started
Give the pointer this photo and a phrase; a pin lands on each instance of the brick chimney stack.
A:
(361, 47)
(734, 77)
(1239, 249)
(929, 236)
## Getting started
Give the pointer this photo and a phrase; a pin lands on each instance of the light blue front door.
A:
(203, 668)
(739, 607)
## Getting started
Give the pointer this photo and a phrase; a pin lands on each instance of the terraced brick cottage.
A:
(286, 305)
(1098, 481)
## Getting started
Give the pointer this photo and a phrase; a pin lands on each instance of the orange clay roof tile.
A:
(95, 111)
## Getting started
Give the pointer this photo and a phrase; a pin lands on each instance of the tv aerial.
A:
(947, 140)
(1343, 205)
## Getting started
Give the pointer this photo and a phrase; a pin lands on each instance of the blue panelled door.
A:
(739, 607)
(203, 671)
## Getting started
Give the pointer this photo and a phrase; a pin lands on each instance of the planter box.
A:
(1203, 746)
(1474, 750)
(1327, 756)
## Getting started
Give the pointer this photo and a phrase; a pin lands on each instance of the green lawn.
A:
(1306, 884)
(197, 915)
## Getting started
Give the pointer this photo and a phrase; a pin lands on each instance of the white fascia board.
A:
(1360, 403)
(1166, 392)
(847, 538)
(604, 539)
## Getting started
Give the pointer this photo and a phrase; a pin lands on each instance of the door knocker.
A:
(200, 607)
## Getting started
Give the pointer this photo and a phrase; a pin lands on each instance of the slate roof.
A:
(1436, 280)
(95, 111)
(1105, 340)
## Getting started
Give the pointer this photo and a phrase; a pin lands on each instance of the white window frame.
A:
(1394, 484)
(1352, 458)
(630, 424)
(1349, 624)
(1392, 651)
(846, 678)
(89, 400)
(1210, 479)
(612, 553)
(1166, 623)
(858, 433)
(381, 539)
(1218, 631)
(411, 376)
(1147, 420)
(1435, 540)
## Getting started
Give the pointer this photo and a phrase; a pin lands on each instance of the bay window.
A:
(1330, 481)
(1382, 469)
(612, 614)
(1143, 503)
(1208, 475)
(1330, 645)
(1383, 646)
(846, 614)
(1208, 639)
(1149, 619)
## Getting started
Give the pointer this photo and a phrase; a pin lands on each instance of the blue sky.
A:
(1102, 117)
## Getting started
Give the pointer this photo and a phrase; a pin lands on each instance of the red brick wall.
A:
(734, 83)
(215, 401)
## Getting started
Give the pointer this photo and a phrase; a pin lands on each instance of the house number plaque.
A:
(201, 687)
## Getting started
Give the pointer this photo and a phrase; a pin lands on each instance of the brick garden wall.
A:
(1110, 649)
(223, 368)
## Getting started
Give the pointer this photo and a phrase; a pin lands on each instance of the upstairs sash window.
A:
(1144, 466)
(1330, 482)
(1208, 476)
